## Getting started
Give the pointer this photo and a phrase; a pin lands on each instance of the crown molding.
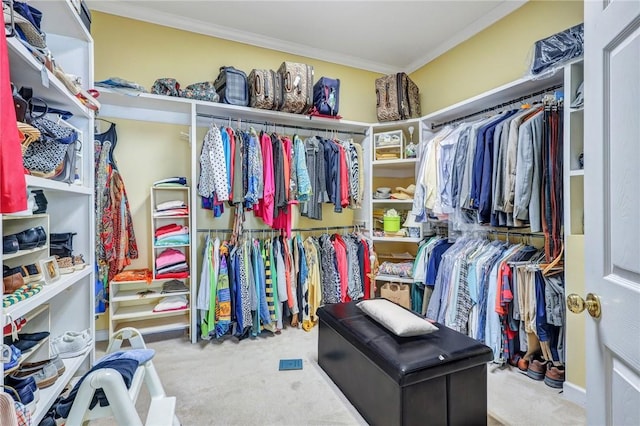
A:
(478, 25)
(141, 13)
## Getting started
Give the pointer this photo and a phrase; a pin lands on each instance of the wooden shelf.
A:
(49, 395)
(579, 172)
(23, 217)
(391, 201)
(391, 278)
(128, 295)
(21, 253)
(26, 355)
(61, 18)
(27, 71)
(143, 311)
(177, 216)
(157, 325)
(48, 292)
(397, 239)
(171, 245)
(399, 163)
(38, 182)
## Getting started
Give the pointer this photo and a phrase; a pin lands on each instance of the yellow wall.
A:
(143, 52)
(495, 56)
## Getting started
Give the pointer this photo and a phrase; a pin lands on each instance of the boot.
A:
(41, 201)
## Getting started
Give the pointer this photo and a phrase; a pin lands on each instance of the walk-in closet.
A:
(319, 213)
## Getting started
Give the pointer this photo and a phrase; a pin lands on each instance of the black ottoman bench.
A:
(435, 379)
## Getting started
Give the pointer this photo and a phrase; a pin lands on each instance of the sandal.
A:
(78, 263)
(65, 264)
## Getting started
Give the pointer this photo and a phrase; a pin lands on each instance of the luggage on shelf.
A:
(231, 86)
(297, 87)
(265, 89)
(326, 96)
(397, 98)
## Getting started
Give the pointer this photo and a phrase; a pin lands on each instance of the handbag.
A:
(204, 91)
(61, 244)
(166, 87)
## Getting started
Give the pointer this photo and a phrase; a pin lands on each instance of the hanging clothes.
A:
(116, 243)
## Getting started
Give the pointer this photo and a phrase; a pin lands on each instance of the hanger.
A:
(550, 266)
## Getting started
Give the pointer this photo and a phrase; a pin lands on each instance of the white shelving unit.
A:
(132, 302)
(173, 110)
(160, 195)
(67, 304)
(391, 173)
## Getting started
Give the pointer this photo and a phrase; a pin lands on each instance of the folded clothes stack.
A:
(171, 235)
(172, 263)
(174, 286)
(171, 208)
(171, 303)
(175, 181)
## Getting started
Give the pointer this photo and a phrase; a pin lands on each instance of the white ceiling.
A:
(380, 36)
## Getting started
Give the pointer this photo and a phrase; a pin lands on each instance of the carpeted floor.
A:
(238, 383)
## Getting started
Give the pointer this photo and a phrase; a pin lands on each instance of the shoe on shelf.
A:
(14, 326)
(69, 346)
(19, 383)
(28, 239)
(554, 376)
(10, 358)
(31, 273)
(537, 368)
(84, 335)
(24, 396)
(42, 236)
(78, 263)
(44, 377)
(26, 341)
(33, 366)
(65, 264)
(40, 200)
(10, 244)
(12, 279)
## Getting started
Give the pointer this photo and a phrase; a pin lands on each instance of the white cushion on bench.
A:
(395, 318)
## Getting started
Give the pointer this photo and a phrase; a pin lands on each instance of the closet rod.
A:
(498, 106)
(286, 126)
(319, 228)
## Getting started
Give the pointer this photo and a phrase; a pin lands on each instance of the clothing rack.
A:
(286, 126)
(263, 230)
(498, 106)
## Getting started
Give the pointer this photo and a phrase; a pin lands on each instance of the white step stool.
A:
(122, 401)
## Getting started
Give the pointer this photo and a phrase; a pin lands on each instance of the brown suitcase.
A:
(297, 87)
(265, 89)
(397, 98)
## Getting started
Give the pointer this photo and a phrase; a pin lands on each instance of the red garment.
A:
(367, 271)
(13, 188)
(167, 228)
(184, 274)
(343, 272)
(264, 208)
(283, 221)
(504, 295)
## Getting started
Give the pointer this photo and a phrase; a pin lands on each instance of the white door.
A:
(612, 209)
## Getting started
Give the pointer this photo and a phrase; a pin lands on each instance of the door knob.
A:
(577, 304)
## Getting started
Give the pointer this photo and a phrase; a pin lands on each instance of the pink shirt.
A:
(265, 205)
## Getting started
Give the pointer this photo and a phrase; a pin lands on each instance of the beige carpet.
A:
(238, 383)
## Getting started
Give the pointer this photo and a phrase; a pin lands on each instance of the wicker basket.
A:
(29, 133)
